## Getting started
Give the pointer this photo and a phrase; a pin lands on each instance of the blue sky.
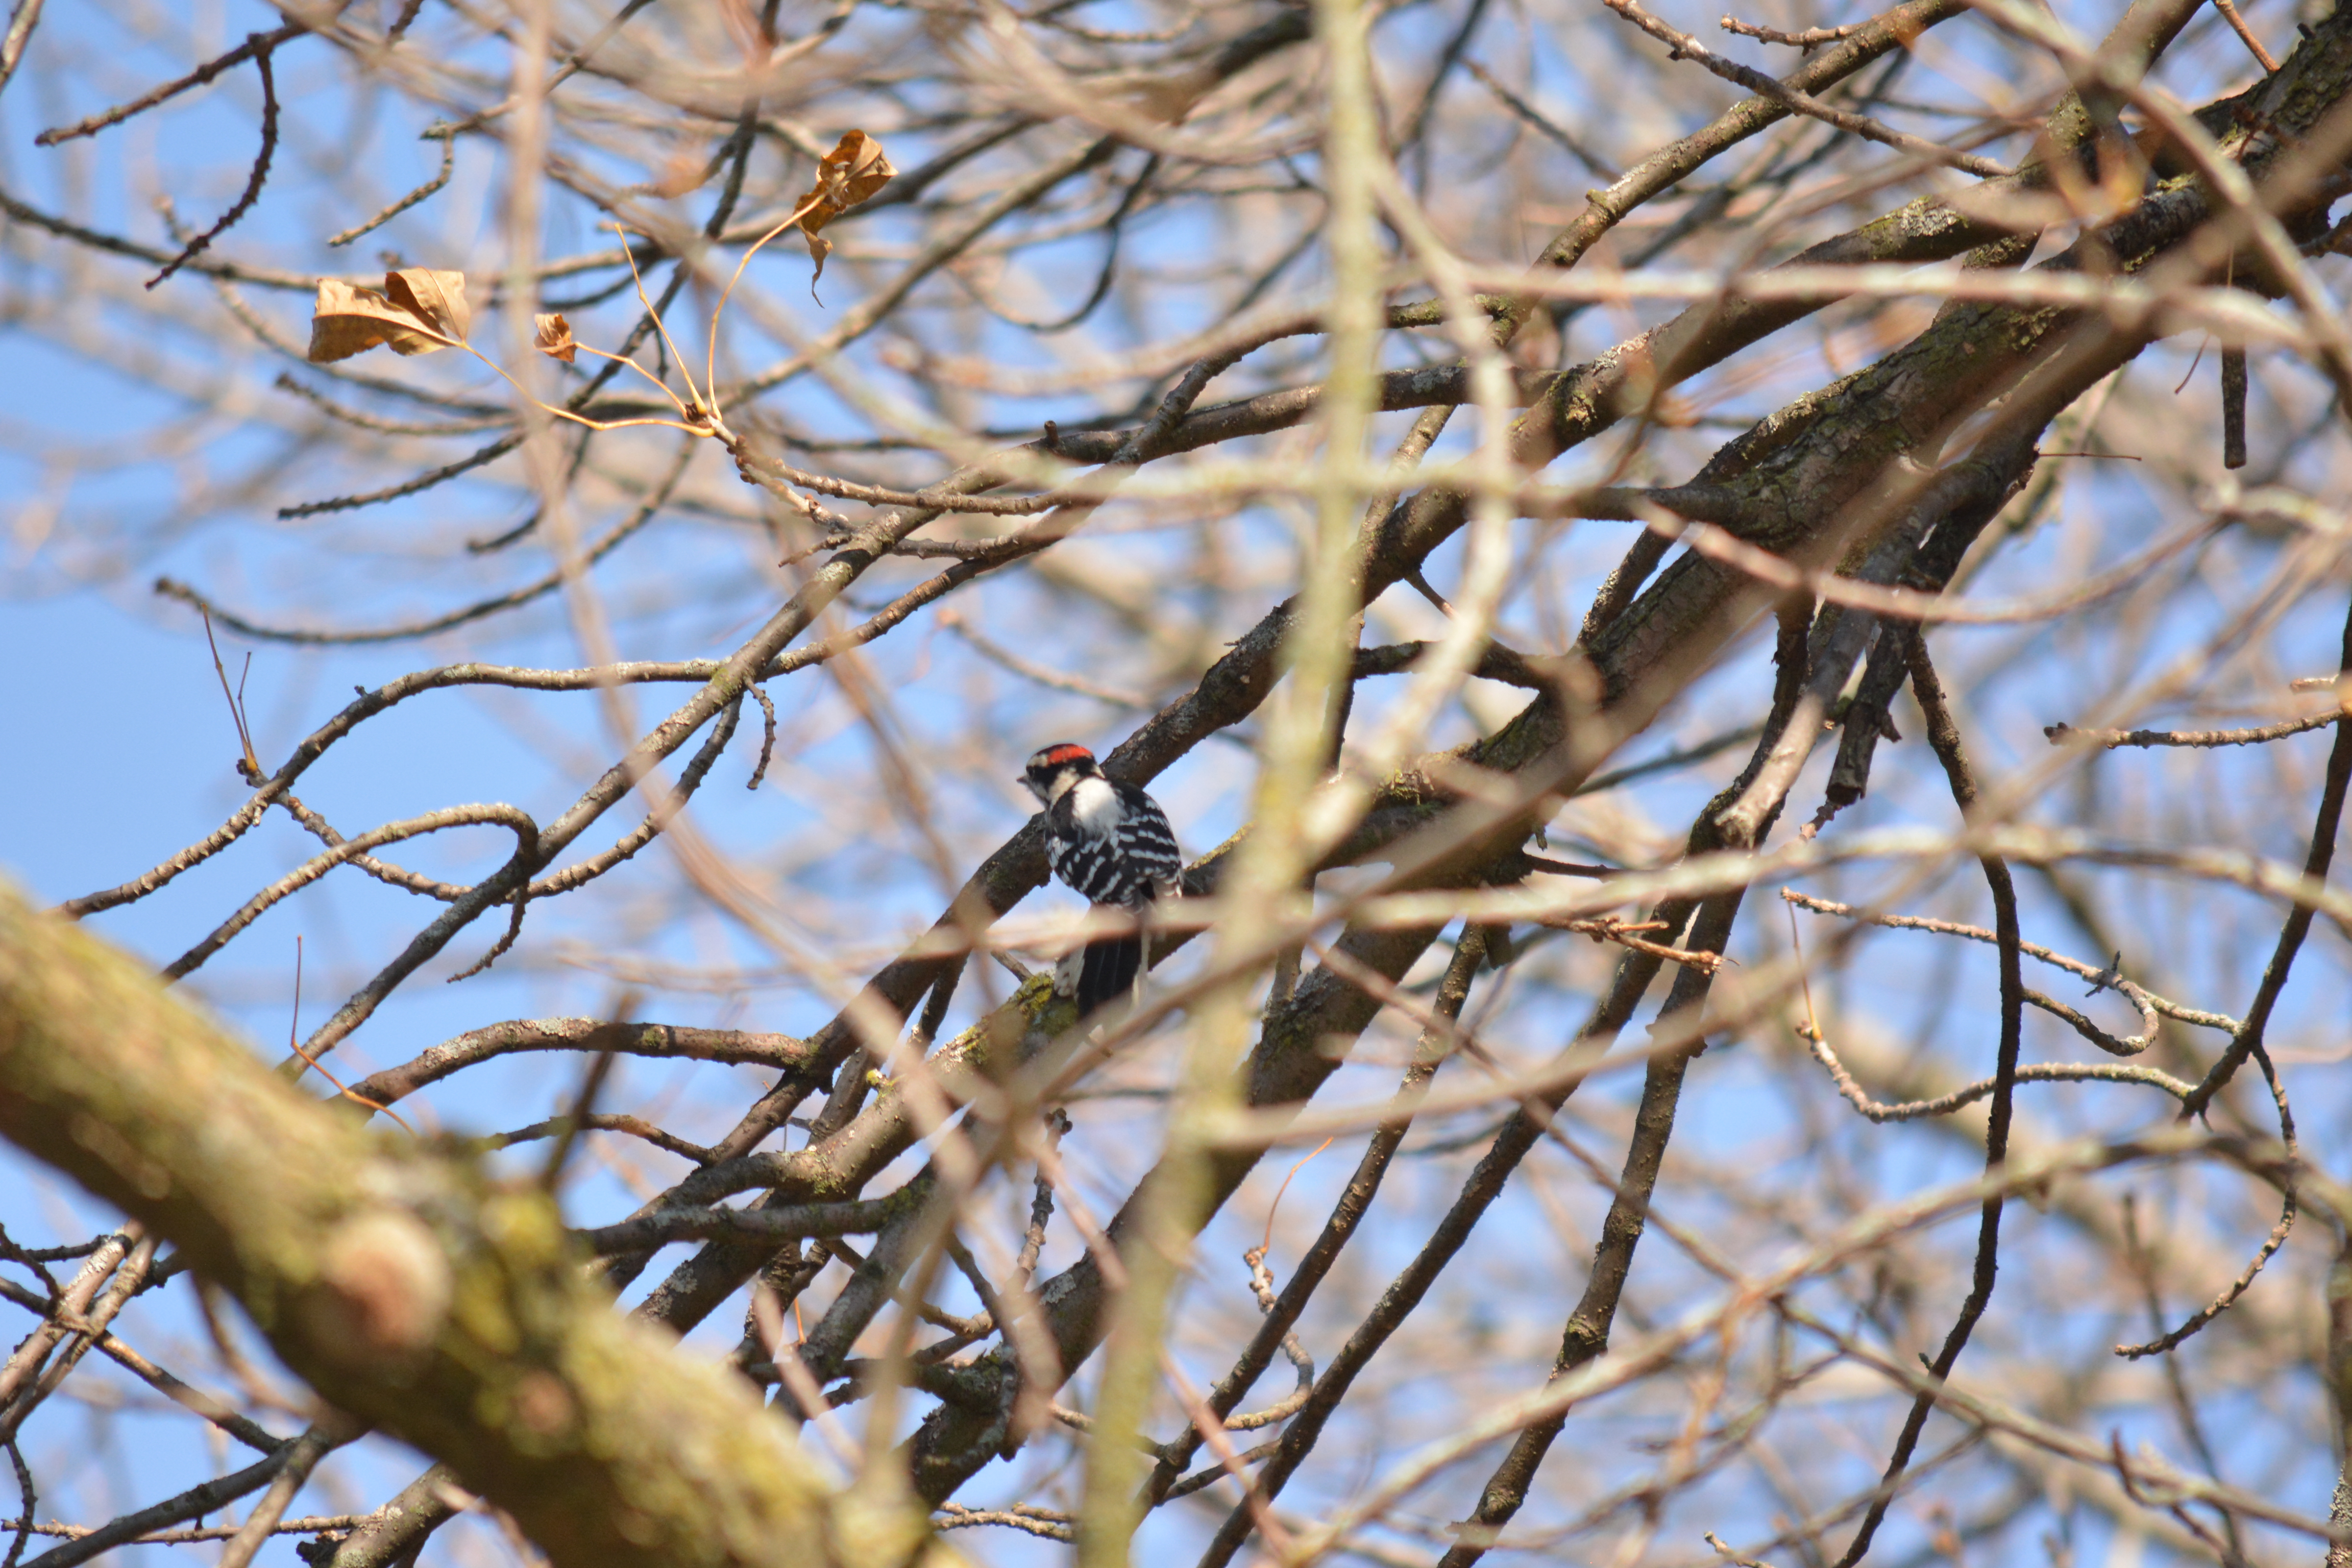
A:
(124, 741)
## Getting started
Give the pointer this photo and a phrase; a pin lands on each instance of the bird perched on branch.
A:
(1111, 842)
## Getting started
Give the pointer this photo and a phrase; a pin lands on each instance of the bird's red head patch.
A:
(1055, 768)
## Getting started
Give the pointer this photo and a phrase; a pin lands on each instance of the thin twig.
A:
(1945, 1104)
(1943, 736)
(447, 137)
(262, 44)
(316, 1524)
(21, 21)
(1528, 112)
(2059, 735)
(1683, 46)
(2238, 24)
(256, 46)
(1810, 38)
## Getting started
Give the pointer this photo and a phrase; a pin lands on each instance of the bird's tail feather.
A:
(1106, 970)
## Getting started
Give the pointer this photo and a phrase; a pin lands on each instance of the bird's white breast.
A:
(1094, 805)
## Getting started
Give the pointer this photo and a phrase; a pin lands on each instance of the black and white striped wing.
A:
(1096, 868)
(1147, 842)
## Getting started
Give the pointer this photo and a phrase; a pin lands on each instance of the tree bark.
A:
(407, 1287)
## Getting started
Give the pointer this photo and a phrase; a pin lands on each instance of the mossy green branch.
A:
(402, 1283)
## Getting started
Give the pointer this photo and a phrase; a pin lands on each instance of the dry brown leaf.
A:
(436, 297)
(555, 337)
(349, 319)
(845, 177)
(417, 310)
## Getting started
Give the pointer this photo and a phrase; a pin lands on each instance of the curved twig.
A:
(2148, 1003)
(2288, 1205)
(447, 136)
(1945, 1104)
(256, 46)
(367, 705)
(514, 599)
(742, 1047)
(513, 817)
(261, 44)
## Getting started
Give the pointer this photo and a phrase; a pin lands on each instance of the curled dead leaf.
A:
(417, 310)
(847, 176)
(435, 297)
(555, 337)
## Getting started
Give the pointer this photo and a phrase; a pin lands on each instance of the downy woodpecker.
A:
(1111, 842)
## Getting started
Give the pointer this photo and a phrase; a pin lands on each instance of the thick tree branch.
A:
(406, 1288)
